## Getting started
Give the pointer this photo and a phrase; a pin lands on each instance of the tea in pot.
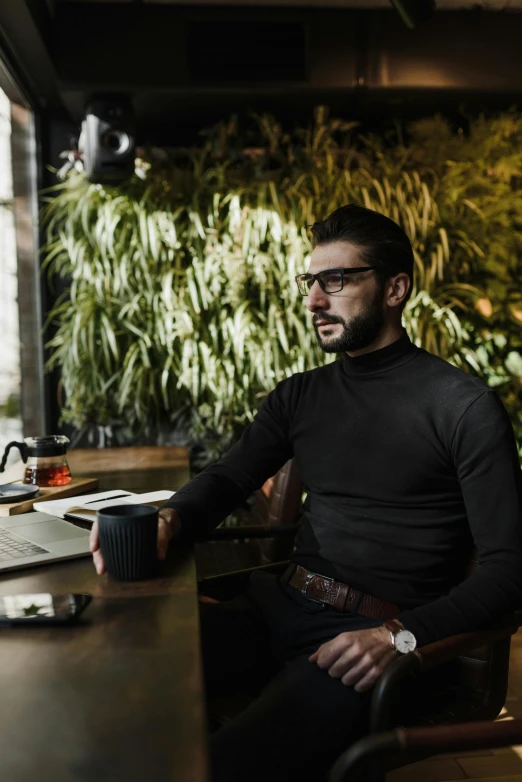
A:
(45, 458)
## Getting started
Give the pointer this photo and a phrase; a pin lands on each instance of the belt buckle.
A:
(304, 590)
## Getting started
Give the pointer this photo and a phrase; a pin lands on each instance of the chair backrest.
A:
(278, 501)
(286, 490)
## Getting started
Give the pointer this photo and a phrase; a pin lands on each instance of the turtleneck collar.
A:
(382, 360)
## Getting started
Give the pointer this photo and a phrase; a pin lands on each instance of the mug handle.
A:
(21, 447)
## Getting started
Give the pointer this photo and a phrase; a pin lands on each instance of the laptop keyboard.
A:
(14, 547)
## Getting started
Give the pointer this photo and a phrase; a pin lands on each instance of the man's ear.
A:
(398, 287)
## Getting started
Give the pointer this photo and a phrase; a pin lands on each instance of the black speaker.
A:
(108, 140)
(413, 12)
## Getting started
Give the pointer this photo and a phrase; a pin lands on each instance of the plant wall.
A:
(182, 311)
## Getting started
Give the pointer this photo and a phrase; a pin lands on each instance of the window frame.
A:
(25, 160)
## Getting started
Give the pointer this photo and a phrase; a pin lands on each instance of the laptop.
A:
(35, 538)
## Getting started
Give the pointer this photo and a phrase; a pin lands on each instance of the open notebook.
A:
(85, 507)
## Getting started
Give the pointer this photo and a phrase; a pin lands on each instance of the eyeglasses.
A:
(331, 280)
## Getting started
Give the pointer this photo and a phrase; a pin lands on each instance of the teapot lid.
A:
(50, 445)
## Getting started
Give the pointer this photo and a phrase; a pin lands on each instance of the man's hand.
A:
(357, 658)
(169, 527)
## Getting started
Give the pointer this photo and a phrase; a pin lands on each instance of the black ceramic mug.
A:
(129, 540)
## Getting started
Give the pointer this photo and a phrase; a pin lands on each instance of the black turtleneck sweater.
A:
(407, 462)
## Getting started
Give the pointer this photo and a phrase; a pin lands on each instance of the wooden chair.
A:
(474, 690)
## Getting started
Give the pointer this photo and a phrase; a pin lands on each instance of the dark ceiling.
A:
(187, 64)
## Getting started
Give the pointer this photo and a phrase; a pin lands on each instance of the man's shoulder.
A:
(447, 380)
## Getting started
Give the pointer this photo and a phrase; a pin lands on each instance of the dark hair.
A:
(380, 241)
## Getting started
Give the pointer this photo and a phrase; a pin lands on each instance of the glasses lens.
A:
(332, 281)
(304, 283)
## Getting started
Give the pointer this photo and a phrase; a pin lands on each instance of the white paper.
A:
(60, 507)
(86, 506)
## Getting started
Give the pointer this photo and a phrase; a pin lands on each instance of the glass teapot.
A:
(45, 459)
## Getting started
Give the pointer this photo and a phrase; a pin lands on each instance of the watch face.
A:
(405, 641)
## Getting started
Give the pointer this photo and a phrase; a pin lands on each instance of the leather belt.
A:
(338, 595)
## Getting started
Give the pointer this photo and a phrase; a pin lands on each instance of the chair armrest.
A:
(426, 658)
(443, 651)
(244, 532)
(353, 765)
(464, 737)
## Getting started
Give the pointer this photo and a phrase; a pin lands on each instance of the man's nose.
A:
(317, 298)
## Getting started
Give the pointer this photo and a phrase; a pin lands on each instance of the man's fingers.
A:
(324, 656)
(330, 652)
(348, 663)
(164, 536)
(94, 545)
(94, 541)
(353, 665)
(355, 673)
(356, 658)
(99, 564)
(367, 681)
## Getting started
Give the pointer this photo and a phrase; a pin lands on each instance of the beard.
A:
(358, 333)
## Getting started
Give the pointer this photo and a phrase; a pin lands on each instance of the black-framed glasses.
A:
(331, 280)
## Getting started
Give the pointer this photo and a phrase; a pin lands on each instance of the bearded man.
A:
(407, 462)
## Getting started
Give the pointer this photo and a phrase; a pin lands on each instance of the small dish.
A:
(17, 492)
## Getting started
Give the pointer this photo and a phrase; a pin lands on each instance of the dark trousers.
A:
(301, 719)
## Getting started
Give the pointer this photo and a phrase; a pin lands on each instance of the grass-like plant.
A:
(183, 313)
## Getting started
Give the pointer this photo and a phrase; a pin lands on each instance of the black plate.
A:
(17, 492)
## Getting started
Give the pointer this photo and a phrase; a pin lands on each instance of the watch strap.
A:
(394, 626)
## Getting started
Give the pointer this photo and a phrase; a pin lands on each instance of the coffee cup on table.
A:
(128, 537)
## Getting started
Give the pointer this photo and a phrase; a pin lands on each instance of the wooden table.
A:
(117, 697)
(130, 469)
(133, 469)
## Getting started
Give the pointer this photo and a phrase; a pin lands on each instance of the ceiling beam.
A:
(446, 5)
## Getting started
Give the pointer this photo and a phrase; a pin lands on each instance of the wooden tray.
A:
(76, 486)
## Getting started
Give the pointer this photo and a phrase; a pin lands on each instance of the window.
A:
(22, 411)
(10, 380)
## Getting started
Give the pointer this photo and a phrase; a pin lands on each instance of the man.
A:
(407, 461)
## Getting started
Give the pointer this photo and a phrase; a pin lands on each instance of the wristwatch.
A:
(403, 641)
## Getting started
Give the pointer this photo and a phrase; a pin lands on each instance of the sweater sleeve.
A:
(261, 451)
(485, 456)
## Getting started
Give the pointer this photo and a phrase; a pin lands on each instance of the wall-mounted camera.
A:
(108, 139)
